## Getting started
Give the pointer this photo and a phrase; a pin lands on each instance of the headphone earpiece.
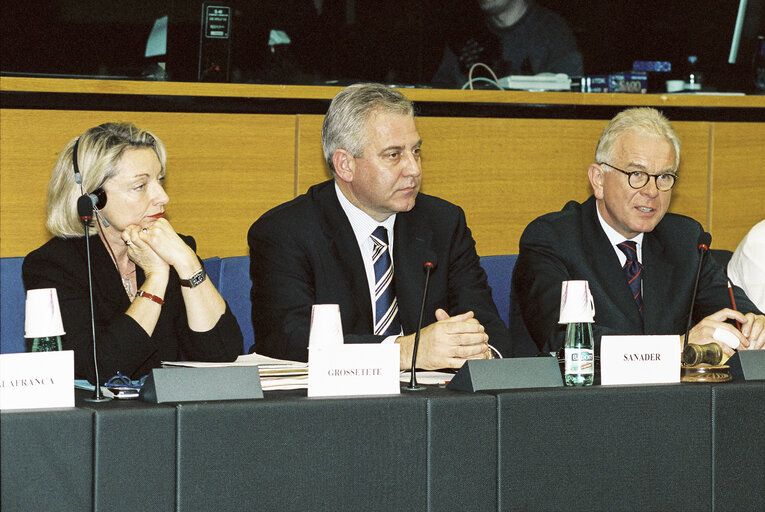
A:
(99, 193)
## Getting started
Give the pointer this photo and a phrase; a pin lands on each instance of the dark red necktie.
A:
(633, 271)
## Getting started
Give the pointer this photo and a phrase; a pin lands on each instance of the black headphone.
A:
(98, 196)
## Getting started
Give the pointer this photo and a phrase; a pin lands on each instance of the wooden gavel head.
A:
(710, 353)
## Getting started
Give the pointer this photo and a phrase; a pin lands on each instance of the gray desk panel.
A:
(47, 459)
(135, 456)
(626, 448)
(298, 454)
(463, 451)
(739, 441)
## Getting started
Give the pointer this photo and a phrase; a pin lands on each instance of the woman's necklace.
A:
(126, 282)
(125, 276)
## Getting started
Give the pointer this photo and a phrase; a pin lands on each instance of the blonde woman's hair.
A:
(98, 153)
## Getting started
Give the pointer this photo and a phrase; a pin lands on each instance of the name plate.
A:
(37, 380)
(639, 359)
(354, 369)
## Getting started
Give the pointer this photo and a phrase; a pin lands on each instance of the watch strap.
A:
(194, 280)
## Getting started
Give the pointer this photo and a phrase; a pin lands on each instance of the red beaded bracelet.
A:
(147, 295)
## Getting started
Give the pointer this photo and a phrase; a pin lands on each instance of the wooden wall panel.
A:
(690, 194)
(224, 170)
(30, 141)
(738, 181)
(506, 172)
(311, 167)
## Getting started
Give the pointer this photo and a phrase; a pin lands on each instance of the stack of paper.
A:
(274, 373)
(428, 377)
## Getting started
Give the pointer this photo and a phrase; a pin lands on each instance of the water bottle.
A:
(577, 312)
(45, 344)
(693, 78)
(579, 352)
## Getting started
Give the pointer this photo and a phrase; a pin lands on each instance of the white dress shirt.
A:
(746, 268)
(363, 226)
(615, 238)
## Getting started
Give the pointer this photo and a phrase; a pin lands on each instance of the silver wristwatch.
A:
(195, 279)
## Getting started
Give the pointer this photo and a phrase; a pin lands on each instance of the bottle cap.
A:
(42, 316)
(326, 326)
(576, 303)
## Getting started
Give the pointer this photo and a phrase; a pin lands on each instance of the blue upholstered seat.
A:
(212, 267)
(499, 270)
(12, 301)
(235, 287)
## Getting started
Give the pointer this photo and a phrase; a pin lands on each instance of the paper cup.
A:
(576, 303)
(42, 316)
(326, 326)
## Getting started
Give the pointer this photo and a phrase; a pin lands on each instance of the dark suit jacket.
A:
(122, 344)
(304, 252)
(571, 244)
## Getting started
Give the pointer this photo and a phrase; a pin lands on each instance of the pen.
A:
(733, 303)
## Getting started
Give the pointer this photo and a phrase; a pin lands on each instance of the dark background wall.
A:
(395, 41)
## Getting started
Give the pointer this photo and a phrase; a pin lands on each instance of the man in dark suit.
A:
(639, 260)
(334, 243)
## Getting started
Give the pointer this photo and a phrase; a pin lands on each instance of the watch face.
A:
(197, 278)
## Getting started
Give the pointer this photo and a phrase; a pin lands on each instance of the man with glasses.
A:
(640, 261)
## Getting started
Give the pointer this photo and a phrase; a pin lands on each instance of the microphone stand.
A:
(85, 208)
(702, 252)
(412, 386)
(701, 363)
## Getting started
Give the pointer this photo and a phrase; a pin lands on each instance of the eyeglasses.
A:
(639, 179)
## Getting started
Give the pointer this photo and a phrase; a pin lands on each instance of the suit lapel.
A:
(346, 252)
(605, 264)
(657, 278)
(412, 240)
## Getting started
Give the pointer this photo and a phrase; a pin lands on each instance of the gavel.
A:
(693, 354)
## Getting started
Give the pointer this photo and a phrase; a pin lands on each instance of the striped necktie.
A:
(633, 271)
(386, 308)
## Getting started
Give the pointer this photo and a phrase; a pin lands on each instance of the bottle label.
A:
(580, 361)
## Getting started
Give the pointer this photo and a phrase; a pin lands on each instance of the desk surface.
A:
(617, 448)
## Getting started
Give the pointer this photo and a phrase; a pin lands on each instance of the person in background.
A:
(361, 241)
(746, 267)
(151, 297)
(640, 261)
(515, 37)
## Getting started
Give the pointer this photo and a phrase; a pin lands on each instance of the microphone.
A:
(85, 208)
(696, 355)
(85, 205)
(428, 267)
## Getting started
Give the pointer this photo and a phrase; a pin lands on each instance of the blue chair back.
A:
(12, 304)
(212, 268)
(499, 270)
(235, 287)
